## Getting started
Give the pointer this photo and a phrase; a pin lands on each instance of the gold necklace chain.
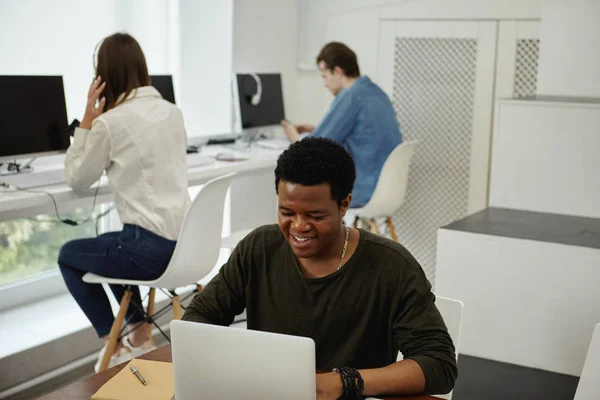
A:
(345, 245)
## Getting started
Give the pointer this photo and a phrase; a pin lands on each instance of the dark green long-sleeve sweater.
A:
(377, 304)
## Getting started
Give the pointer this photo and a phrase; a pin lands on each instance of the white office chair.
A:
(390, 190)
(589, 383)
(451, 310)
(195, 255)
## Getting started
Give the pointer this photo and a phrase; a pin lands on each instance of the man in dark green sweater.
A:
(360, 297)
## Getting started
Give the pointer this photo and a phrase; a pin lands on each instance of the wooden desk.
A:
(85, 388)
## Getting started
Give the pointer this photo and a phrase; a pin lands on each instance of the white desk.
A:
(249, 189)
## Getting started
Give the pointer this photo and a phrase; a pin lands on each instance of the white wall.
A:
(55, 38)
(285, 36)
(569, 56)
(149, 21)
(527, 302)
(356, 23)
(265, 40)
(205, 64)
(189, 39)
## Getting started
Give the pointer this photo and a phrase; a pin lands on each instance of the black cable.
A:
(64, 221)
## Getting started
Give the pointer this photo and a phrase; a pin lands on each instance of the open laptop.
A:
(216, 362)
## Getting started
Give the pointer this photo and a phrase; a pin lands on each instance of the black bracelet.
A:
(353, 384)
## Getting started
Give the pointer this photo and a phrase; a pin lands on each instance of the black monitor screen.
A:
(33, 115)
(164, 85)
(269, 110)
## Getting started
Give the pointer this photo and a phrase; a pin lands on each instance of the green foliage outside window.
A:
(30, 246)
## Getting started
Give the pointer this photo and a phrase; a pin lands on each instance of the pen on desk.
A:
(137, 373)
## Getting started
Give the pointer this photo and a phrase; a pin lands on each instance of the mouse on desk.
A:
(191, 149)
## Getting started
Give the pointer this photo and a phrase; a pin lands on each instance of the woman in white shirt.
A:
(139, 139)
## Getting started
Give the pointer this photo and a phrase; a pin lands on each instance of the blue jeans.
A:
(133, 253)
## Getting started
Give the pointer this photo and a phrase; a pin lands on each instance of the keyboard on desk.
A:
(30, 180)
(273, 144)
(198, 160)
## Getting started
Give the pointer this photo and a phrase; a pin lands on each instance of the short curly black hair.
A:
(315, 161)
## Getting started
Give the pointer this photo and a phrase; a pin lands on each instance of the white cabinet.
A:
(443, 77)
(545, 157)
(517, 58)
(527, 302)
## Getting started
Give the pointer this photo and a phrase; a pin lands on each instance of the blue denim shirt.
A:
(362, 119)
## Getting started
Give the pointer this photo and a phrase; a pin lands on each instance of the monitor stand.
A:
(13, 168)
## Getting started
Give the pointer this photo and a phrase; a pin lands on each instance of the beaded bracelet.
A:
(353, 384)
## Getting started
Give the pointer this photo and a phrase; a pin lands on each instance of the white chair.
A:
(589, 383)
(390, 190)
(195, 255)
(229, 242)
(451, 310)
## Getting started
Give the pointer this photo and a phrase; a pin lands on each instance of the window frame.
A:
(49, 283)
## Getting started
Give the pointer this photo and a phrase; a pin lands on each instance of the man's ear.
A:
(337, 70)
(345, 205)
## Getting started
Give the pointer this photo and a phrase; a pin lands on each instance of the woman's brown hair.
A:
(121, 63)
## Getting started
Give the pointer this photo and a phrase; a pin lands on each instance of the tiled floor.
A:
(31, 325)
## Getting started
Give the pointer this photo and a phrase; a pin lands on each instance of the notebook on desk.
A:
(126, 386)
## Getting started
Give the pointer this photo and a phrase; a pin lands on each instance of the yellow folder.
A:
(126, 386)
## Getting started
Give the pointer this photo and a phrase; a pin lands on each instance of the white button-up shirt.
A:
(141, 144)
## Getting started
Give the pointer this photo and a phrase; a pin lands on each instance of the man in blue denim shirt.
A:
(361, 118)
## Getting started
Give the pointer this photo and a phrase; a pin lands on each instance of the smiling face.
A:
(309, 218)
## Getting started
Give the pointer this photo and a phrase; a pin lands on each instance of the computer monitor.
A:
(164, 85)
(258, 99)
(33, 116)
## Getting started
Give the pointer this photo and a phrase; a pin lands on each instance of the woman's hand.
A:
(92, 111)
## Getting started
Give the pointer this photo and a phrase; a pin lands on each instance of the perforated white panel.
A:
(434, 86)
(527, 57)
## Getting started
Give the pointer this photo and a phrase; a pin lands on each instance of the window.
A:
(30, 246)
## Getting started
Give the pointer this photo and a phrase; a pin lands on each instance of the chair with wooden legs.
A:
(390, 190)
(195, 255)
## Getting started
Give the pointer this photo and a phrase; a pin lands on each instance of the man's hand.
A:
(290, 131)
(305, 128)
(91, 110)
(329, 386)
